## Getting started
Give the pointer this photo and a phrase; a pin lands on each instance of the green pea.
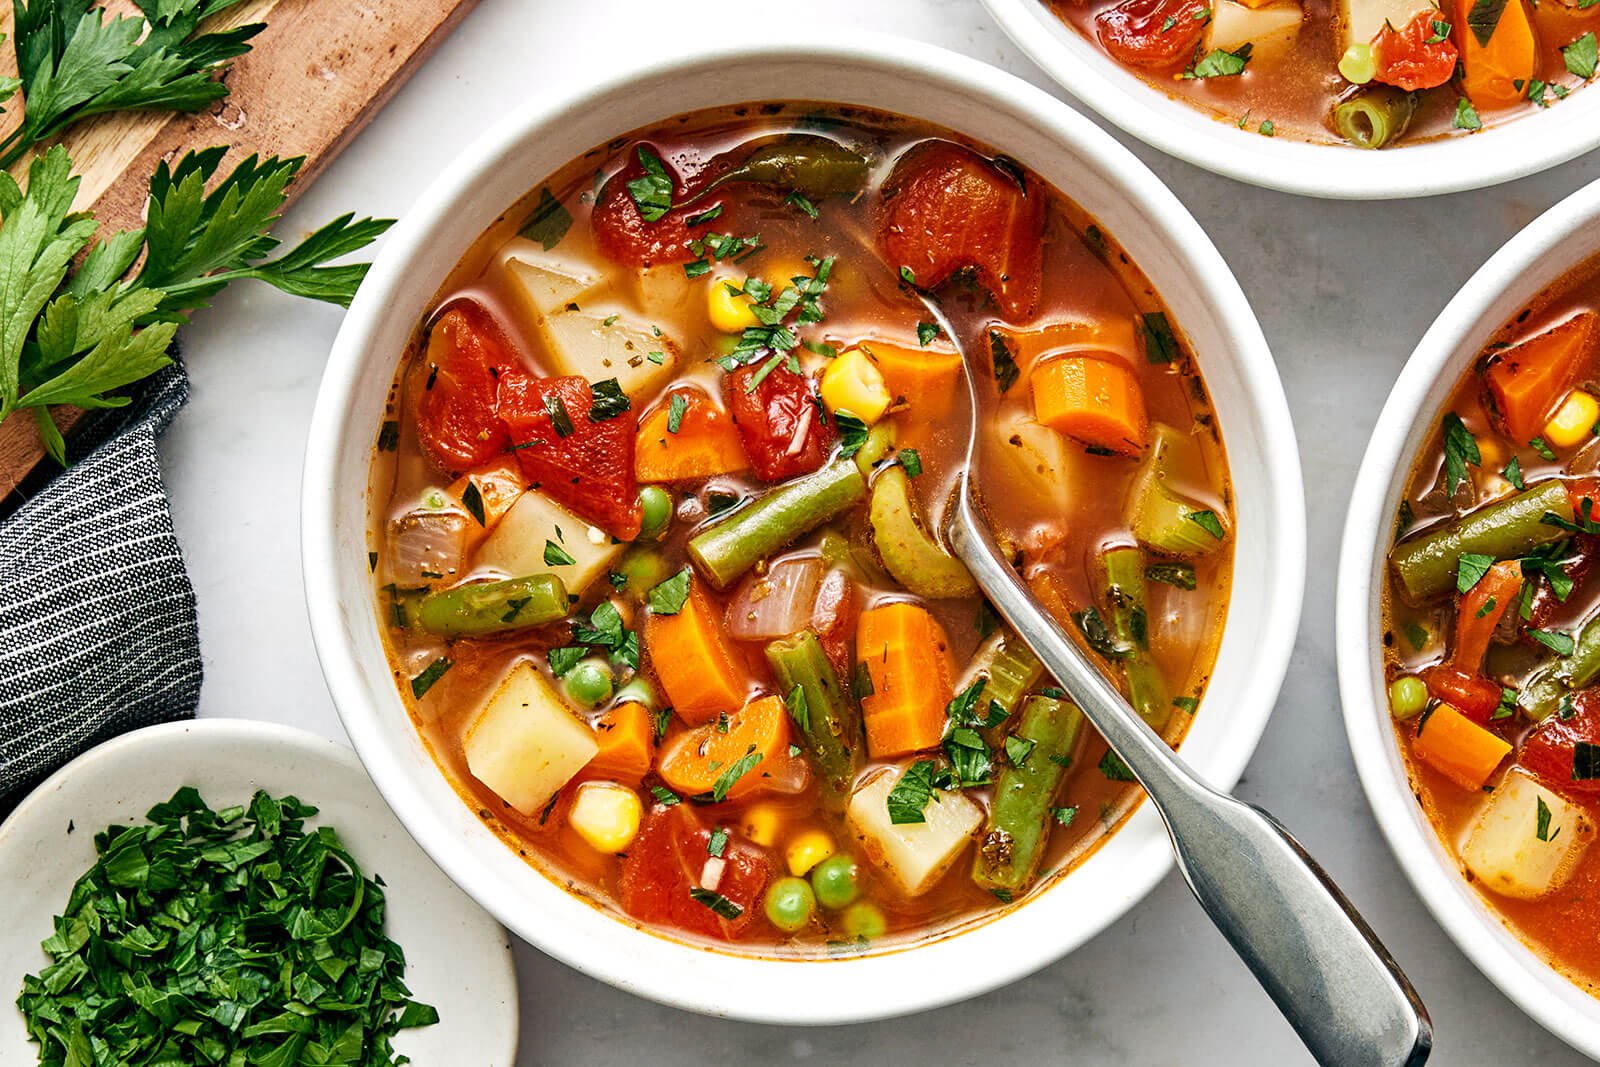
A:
(789, 904)
(644, 568)
(1407, 696)
(835, 881)
(656, 505)
(863, 920)
(589, 682)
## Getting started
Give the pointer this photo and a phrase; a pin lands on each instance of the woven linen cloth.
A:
(97, 616)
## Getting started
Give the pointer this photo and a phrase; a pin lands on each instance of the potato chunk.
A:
(598, 345)
(516, 548)
(525, 743)
(915, 855)
(1268, 29)
(1046, 464)
(1516, 848)
(544, 287)
(1364, 18)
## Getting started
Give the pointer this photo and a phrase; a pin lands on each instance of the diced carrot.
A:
(924, 383)
(907, 660)
(694, 761)
(1459, 748)
(1496, 73)
(1480, 612)
(706, 442)
(1094, 398)
(626, 737)
(498, 485)
(1528, 381)
(694, 660)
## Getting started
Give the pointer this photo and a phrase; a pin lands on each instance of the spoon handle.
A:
(1324, 968)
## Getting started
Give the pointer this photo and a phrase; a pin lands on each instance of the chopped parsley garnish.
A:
(1112, 767)
(1416, 636)
(910, 461)
(1441, 31)
(1559, 643)
(1219, 63)
(716, 902)
(549, 222)
(1186, 704)
(1484, 18)
(909, 798)
(799, 707)
(652, 190)
(389, 436)
(717, 503)
(1207, 520)
(472, 500)
(704, 217)
(1098, 634)
(718, 842)
(927, 333)
(1467, 115)
(908, 277)
(560, 421)
(852, 433)
(564, 658)
(1508, 704)
(1585, 761)
(1544, 450)
(430, 674)
(1064, 816)
(556, 556)
(668, 598)
(605, 630)
(233, 936)
(795, 198)
(676, 408)
(1470, 569)
(1541, 820)
(1160, 343)
(659, 721)
(664, 796)
(1460, 449)
(606, 400)
(1582, 56)
(1017, 749)
(1513, 473)
(1180, 575)
(733, 772)
(1006, 371)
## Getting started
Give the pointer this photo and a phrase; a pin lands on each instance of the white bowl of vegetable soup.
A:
(1466, 619)
(619, 522)
(1351, 100)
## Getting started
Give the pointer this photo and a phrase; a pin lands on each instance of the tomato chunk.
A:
(779, 422)
(834, 619)
(668, 861)
(1480, 611)
(1549, 750)
(1153, 34)
(947, 208)
(456, 421)
(575, 461)
(1473, 695)
(1411, 58)
(621, 231)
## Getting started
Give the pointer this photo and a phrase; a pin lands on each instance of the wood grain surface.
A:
(313, 78)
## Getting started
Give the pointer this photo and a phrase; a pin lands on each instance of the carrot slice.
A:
(1529, 380)
(735, 758)
(906, 656)
(626, 737)
(705, 443)
(694, 660)
(1459, 748)
(1094, 398)
(498, 486)
(1496, 73)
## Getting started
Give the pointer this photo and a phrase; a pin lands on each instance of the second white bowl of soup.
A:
(616, 516)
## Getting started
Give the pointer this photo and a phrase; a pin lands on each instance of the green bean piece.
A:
(738, 542)
(828, 722)
(812, 166)
(1147, 690)
(1021, 812)
(655, 505)
(1375, 116)
(1425, 566)
(908, 550)
(878, 445)
(493, 607)
(1009, 669)
(401, 605)
(1549, 684)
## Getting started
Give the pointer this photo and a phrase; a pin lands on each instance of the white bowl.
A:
(1559, 240)
(910, 79)
(1499, 153)
(457, 958)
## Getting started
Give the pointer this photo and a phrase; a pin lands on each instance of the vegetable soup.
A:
(654, 514)
(1370, 73)
(1492, 635)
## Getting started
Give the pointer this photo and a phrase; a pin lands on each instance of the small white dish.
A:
(918, 81)
(457, 958)
(1562, 238)
(1499, 153)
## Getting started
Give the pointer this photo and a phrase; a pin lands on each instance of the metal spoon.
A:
(1315, 956)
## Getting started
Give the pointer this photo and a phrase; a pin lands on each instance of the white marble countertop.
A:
(1343, 291)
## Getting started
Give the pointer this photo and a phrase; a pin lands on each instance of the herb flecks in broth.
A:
(660, 483)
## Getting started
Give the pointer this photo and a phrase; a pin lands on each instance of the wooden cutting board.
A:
(318, 72)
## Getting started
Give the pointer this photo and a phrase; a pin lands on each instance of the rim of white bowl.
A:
(716, 983)
(1527, 264)
(1499, 153)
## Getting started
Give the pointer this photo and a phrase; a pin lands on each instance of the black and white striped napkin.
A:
(97, 615)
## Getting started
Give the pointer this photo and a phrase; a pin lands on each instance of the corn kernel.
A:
(853, 383)
(729, 310)
(1491, 454)
(1573, 422)
(761, 824)
(606, 815)
(806, 850)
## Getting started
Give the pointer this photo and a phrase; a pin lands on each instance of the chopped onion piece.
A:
(776, 604)
(426, 546)
(711, 873)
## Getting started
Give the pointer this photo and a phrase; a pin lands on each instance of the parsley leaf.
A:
(430, 674)
(607, 400)
(911, 461)
(1559, 643)
(677, 407)
(556, 556)
(652, 190)
(549, 222)
(735, 771)
(927, 333)
(1113, 768)
(852, 433)
(565, 658)
(1460, 449)
(1513, 474)
(1160, 343)
(1220, 64)
(668, 598)
(1470, 568)
(909, 798)
(1484, 19)
(1179, 575)
(1207, 520)
(1006, 371)
(1541, 820)
(1582, 56)
(1467, 115)
(716, 902)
